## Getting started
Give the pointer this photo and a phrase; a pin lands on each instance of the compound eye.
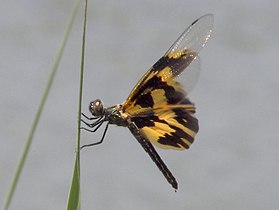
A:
(96, 108)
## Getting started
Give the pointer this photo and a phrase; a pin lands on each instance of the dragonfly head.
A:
(96, 108)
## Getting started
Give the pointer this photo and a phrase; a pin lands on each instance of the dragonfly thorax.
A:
(116, 116)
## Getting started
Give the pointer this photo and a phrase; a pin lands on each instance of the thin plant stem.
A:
(74, 195)
(81, 77)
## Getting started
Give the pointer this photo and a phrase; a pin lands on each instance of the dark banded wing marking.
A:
(172, 128)
(159, 87)
(147, 146)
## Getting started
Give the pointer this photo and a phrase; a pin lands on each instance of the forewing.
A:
(158, 87)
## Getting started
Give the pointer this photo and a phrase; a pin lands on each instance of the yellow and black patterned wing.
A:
(183, 54)
(158, 104)
(172, 128)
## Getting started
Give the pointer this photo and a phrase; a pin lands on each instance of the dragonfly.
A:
(158, 111)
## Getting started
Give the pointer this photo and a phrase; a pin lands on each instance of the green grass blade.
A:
(74, 195)
(36, 119)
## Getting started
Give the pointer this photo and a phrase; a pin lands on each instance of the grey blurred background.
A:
(233, 163)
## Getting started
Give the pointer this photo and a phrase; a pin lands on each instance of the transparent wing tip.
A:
(195, 36)
(207, 19)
